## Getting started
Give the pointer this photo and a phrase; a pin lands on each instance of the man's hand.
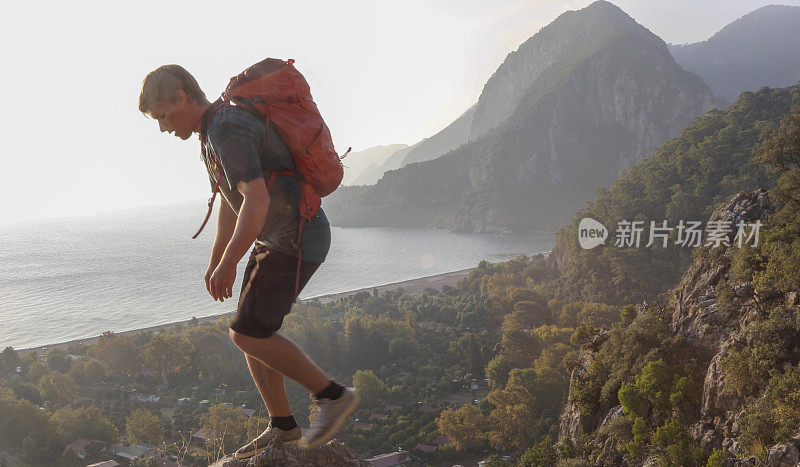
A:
(226, 221)
(248, 225)
(220, 283)
(209, 272)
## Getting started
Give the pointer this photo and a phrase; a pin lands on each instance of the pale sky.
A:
(381, 72)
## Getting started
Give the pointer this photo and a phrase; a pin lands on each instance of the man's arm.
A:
(226, 221)
(248, 225)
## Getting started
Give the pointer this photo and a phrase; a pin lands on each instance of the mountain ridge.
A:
(758, 49)
(609, 102)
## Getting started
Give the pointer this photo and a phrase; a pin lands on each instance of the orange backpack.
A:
(274, 90)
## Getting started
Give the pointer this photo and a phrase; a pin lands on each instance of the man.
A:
(245, 145)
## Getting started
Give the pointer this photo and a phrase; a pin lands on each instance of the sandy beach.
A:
(414, 286)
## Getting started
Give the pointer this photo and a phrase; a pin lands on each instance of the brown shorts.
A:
(268, 291)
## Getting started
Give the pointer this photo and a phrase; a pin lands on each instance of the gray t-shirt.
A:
(244, 145)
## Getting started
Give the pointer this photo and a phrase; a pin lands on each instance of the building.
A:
(378, 416)
(132, 451)
(198, 437)
(79, 446)
(388, 460)
(148, 398)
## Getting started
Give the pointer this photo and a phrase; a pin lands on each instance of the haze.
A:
(381, 73)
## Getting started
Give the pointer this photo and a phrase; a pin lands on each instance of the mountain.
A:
(357, 163)
(586, 97)
(453, 136)
(370, 175)
(683, 354)
(762, 48)
(685, 179)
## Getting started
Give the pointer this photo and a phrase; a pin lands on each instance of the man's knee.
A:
(243, 341)
(236, 338)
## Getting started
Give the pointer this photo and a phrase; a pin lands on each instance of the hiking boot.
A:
(328, 417)
(259, 444)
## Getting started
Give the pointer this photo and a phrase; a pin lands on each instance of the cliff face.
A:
(713, 328)
(590, 95)
(718, 329)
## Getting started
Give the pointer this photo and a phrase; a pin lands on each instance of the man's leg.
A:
(267, 296)
(282, 424)
(282, 355)
(270, 385)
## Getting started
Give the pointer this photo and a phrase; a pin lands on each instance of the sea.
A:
(72, 278)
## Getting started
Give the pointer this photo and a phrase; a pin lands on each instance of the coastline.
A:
(414, 286)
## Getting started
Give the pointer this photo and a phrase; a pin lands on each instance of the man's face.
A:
(173, 118)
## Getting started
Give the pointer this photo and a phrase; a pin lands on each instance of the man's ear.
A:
(181, 97)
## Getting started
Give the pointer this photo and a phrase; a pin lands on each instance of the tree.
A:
(224, 427)
(144, 427)
(628, 314)
(657, 388)
(94, 371)
(467, 349)
(118, 353)
(673, 442)
(777, 258)
(464, 426)
(35, 371)
(210, 359)
(520, 346)
(543, 453)
(9, 360)
(57, 360)
(23, 424)
(780, 149)
(70, 458)
(77, 371)
(497, 371)
(355, 338)
(58, 388)
(370, 388)
(527, 405)
(641, 438)
(71, 424)
(168, 353)
(27, 391)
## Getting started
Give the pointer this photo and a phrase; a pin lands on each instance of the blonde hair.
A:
(163, 83)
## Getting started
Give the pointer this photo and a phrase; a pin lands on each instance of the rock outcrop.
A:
(572, 421)
(333, 454)
(713, 328)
